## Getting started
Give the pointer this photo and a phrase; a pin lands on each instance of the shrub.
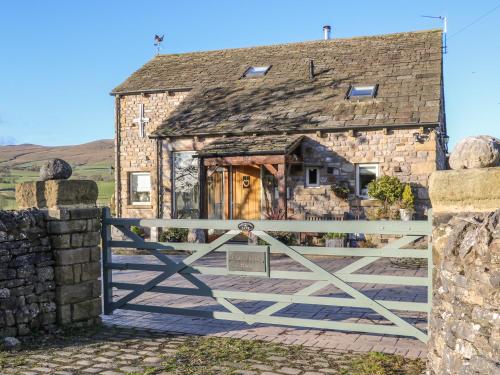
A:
(333, 235)
(138, 230)
(288, 238)
(386, 188)
(174, 235)
(340, 191)
(408, 199)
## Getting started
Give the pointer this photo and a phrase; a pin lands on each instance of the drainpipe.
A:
(118, 191)
(159, 179)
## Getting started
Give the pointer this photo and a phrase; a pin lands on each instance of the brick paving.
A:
(315, 338)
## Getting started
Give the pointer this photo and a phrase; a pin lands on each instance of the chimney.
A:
(326, 32)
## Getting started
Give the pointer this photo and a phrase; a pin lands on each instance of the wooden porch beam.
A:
(281, 177)
(245, 160)
(271, 169)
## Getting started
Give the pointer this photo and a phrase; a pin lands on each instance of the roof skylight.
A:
(256, 71)
(366, 91)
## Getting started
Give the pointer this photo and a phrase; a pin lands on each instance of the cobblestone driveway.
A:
(277, 334)
(115, 351)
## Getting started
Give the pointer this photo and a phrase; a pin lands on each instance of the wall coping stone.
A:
(465, 190)
(57, 194)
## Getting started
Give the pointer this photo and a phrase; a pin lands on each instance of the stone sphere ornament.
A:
(481, 151)
(55, 169)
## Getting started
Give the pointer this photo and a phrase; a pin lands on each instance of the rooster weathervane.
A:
(158, 41)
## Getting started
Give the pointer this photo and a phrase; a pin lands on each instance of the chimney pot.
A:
(326, 32)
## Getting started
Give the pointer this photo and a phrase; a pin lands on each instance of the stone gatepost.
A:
(73, 227)
(464, 322)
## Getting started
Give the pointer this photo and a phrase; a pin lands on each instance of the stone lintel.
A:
(466, 190)
(57, 194)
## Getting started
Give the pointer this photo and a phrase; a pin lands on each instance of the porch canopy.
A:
(272, 152)
(250, 150)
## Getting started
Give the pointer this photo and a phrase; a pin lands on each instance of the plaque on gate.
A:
(254, 262)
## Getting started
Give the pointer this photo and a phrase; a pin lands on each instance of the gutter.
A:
(301, 131)
(151, 91)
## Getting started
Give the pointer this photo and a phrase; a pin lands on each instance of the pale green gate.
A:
(408, 232)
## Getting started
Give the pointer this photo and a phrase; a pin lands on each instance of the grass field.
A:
(90, 161)
(100, 173)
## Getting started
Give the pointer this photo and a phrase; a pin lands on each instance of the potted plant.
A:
(334, 239)
(389, 191)
(407, 204)
(340, 191)
(174, 235)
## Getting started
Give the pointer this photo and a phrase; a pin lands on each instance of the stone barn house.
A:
(262, 132)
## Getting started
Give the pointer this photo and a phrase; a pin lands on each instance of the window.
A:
(312, 176)
(367, 91)
(186, 185)
(140, 188)
(256, 71)
(365, 173)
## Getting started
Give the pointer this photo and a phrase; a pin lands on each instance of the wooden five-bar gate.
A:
(254, 261)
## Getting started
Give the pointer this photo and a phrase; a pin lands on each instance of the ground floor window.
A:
(365, 173)
(140, 188)
(186, 192)
(312, 176)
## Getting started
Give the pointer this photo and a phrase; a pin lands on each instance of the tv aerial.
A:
(444, 20)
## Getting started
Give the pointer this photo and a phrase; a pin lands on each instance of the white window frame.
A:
(358, 187)
(131, 195)
(373, 91)
(317, 184)
(256, 71)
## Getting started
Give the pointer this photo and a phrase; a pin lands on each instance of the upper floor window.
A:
(312, 176)
(256, 71)
(358, 91)
(140, 188)
(365, 173)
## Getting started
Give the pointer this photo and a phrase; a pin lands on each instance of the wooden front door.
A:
(246, 192)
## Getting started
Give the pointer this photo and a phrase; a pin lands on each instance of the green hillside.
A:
(20, 163)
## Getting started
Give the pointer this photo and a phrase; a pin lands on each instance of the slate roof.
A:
(251, 145)
(406, 66)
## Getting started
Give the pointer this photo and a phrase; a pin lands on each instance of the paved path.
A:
(277, 334)
(136, 352)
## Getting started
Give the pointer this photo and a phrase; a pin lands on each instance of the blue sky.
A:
(60, 59)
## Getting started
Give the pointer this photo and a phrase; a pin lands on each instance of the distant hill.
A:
(93, 153)
(92, 161)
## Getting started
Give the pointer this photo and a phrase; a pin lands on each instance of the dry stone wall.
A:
(465, 318)
(27, 287)
(50, 259)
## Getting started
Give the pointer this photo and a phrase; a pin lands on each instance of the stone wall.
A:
(27, 287)
(396, 151)
(138, 154)
(49, 258)
(75, 238)
(465, 319)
